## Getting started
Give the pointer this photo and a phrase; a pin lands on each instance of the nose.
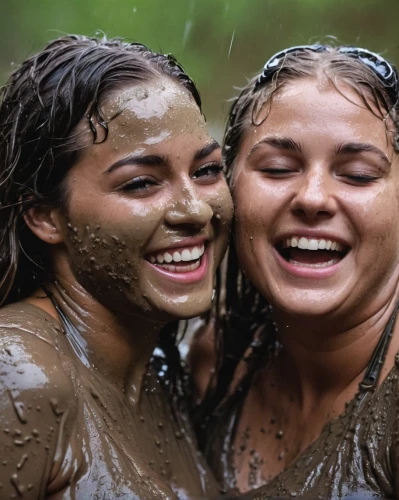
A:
(314, 199)
(187, 208)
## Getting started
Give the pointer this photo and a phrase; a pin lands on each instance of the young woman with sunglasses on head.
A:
(305, 324)
(114, 216)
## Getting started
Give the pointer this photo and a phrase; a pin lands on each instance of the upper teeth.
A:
(312, 244)
(184, 255)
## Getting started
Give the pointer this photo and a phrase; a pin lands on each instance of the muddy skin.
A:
(290, 433)
(356, 455)
(67, 424)
(83, 413)
(164, 122)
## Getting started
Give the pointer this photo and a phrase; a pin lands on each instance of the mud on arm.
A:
(36, 405)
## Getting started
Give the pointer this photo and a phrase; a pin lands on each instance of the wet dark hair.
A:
(41, 105)
(244, 328)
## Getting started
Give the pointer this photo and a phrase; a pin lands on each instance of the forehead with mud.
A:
(154, 111)
(109, 230)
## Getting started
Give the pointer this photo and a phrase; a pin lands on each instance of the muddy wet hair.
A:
(41, 106)
(244, 325)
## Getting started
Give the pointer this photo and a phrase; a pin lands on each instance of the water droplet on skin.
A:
(19, 409)
(22, 461)
(279, 434)
(54, 407)
(18, 487)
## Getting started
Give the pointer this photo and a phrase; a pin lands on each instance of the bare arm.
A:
(36, 404)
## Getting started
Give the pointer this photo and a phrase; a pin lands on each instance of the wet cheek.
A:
(100, 260)
(222, 206)
(107, 258)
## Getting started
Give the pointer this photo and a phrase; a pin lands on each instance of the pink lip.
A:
(306, 272)
(189, 277)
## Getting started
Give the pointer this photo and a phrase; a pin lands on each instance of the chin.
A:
(313, 306)
(189, 312)
(177, 308)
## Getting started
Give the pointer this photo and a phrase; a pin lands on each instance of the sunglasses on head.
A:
(380, 67)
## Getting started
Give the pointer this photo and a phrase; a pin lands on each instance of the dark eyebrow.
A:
(278, 142)
(137, 159)
(206, 150)
(156, 160)
(349, 148)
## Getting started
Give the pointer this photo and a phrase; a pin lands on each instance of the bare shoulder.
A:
(37, 398)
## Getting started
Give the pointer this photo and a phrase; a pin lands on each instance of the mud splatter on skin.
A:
(86, 435)
(92, 416)
(328, 324)
(112, 224)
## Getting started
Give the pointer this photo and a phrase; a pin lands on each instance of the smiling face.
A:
(316, 191)
(148, 209)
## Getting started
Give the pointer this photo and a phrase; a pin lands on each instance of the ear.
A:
(44, 222)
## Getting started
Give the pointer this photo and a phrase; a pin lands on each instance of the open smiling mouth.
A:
(311, 252)
(182, 260)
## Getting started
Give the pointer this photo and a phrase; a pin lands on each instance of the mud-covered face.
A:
(317, 202)
(149, 209)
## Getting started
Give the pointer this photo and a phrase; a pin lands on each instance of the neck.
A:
(115, 344)
(325, 357)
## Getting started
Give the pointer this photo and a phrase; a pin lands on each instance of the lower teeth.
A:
(318, 265)
(180, 269)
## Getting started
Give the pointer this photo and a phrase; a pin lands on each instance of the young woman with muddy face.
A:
(115, 214)
(309, 333)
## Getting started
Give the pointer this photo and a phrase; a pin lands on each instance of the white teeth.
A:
(195, 253)
(303, 243)
(312, 244)
(185, 255)
(176, 257)
(182, 269)
(318, 265)
(167, 257)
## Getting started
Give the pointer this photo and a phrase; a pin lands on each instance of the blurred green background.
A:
(220, 42)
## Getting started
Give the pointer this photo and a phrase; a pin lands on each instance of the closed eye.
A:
(360, 179)
(277, 171)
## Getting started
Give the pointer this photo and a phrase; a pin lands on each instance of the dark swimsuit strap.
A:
(376, 362)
